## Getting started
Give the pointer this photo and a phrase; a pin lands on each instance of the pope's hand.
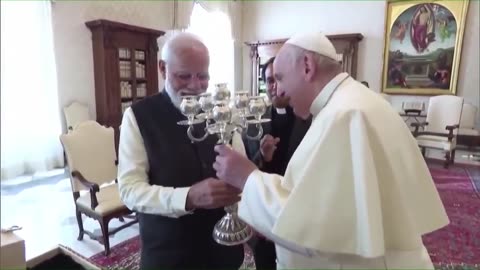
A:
(232, 166)
(268, 145)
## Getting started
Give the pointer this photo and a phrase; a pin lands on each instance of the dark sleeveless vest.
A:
(185, 242)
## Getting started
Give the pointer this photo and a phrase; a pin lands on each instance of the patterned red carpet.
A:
(126, 255)
(456, 246)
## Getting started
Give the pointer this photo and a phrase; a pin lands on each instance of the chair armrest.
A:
(450, 131)
(94, 188)
(417, 125)
(116, 164)
(452, 127)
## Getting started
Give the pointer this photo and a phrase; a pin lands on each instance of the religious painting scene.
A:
(422, 47)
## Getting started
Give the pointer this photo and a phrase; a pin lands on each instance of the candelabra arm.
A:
(193, 138)
(259, 134)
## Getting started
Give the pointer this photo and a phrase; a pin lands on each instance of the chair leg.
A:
(106, 239)
(81, 231)
(452, 160)
(447, 160)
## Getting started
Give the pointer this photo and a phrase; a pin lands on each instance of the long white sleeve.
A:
(135, 190)
(263, 198)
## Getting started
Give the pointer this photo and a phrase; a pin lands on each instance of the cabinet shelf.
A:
(125, 67)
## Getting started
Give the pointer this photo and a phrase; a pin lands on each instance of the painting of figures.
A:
(423, 46)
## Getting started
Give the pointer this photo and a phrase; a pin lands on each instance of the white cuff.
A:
(179, 200)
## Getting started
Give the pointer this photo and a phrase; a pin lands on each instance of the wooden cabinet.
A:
(346, 45)
(125, 67)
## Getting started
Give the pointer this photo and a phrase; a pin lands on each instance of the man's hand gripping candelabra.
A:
(223, 118)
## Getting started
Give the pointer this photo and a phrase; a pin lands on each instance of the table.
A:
(12, 251)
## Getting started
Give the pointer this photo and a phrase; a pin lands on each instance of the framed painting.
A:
(423, 44)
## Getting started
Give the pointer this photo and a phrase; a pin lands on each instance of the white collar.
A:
(281, 110)
(324, 96)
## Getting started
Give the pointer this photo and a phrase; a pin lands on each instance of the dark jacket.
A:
(291, 131)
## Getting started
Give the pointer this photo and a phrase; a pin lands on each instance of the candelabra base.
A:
(230, 230)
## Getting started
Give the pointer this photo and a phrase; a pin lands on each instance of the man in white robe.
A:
(357, 193)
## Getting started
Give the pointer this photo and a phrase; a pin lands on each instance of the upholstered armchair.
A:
(441, 127)
(468, 134)
(467, 123)
(92, 163)
(75, 113)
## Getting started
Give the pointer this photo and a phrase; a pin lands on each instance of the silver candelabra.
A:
(223, 117)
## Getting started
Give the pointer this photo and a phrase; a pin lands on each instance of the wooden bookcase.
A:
(346, 46)
(125, 67)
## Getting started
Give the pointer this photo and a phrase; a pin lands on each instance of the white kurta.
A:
(357, 192)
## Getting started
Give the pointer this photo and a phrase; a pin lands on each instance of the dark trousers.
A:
(264, 254)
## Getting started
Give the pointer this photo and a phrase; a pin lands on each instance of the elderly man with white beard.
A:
(167, 179)
(357, 193)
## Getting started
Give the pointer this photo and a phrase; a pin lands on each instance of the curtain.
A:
(30, 113)
(233, 10)
(220, 43)
(224, 43)
(182, 11)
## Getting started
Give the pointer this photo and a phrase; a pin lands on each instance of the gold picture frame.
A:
(422, 47)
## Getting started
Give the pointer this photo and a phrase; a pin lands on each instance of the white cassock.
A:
(357, 192)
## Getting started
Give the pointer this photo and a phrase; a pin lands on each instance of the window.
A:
(31, 124)
(216, 31)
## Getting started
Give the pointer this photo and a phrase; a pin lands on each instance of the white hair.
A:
(174, 46)
(178, 42)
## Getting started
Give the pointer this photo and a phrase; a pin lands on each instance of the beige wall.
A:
(280, 19)
(261, 20)
(73, 45)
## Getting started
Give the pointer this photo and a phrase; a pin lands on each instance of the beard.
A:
(175, 96)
